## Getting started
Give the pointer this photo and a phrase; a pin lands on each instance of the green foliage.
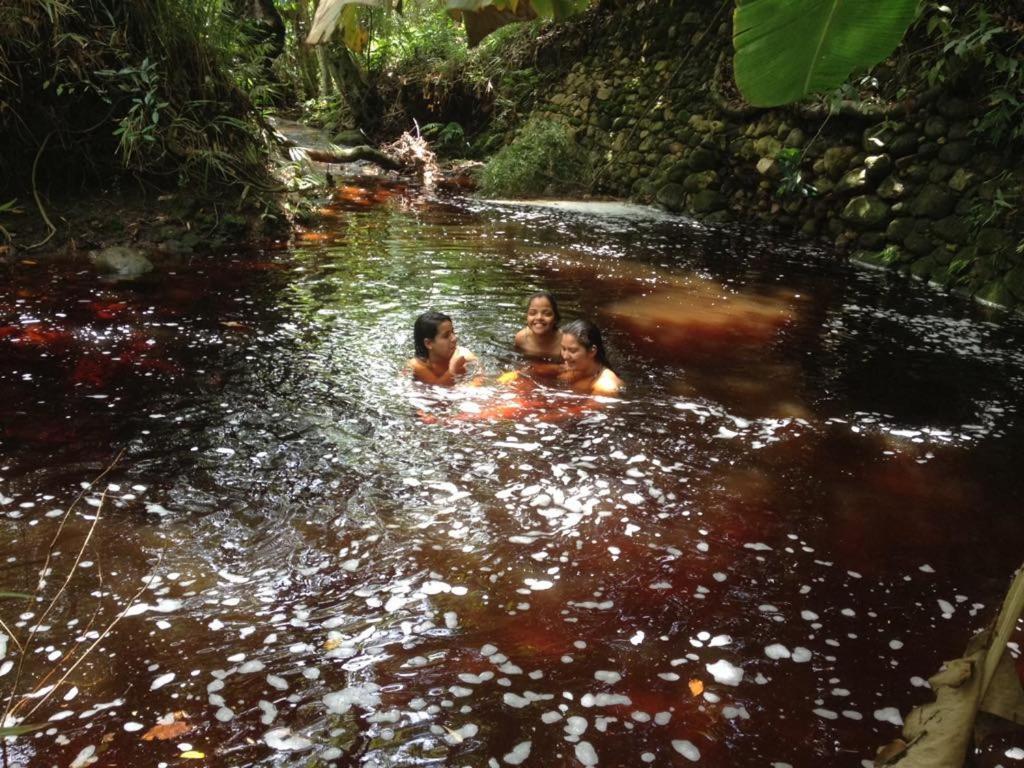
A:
(890, 255)
(543, 159)
(987, 56)
(792, 181)
(787, 49)
(140, 125)
(1002, 207)
(447, 138)
(161, 88)
(423, 39)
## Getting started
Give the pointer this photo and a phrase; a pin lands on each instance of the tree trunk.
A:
(308, 68)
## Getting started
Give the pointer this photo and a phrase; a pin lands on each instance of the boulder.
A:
(866, 212)
(122, 262)
(695, 182)
(877, 138)
(903, 145)
(899, 229)
(769, 168)
(836, 160)
(939, 172)
(671, 197)
(933, 202)
(702, 159)
(952, 229)
(995, 294)
(877, 167)
(707, 201)
(767, 146)
(961, 179)
(1014, 282)
(935, 127)
(956, 152)
(855, 181)
(958, 131)
(891, 188)
(953, 108)
(992, 240)
(918, 243)
(871, 240)
(923, 268)
(795, 138)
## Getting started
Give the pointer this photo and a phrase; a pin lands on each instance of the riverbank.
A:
(896, 173)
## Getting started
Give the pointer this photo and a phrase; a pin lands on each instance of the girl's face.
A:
(576, 356)
(540, 316)
(443, 345)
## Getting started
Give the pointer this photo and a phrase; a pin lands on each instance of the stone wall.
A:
(906, 185)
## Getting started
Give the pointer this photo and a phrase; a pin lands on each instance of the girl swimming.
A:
(586, 369)
(439, 358)
(540, 339)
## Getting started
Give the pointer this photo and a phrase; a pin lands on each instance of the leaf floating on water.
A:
(168, 730)
(332, 643)
(193, 755)
(696, 686)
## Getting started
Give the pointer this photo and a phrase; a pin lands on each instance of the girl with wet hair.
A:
(540, 339)
(586, 369)
(439, 359)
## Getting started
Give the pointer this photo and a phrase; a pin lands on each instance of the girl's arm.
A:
(421, 372)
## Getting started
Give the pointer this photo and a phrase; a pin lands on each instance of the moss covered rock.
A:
(866, 212)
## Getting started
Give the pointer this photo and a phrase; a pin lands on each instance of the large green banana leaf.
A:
(786, 49)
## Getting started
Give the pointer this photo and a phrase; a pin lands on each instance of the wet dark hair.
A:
(589, 337)
(551, 299)
(426, 327)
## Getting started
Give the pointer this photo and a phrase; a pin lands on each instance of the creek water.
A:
(807, 497)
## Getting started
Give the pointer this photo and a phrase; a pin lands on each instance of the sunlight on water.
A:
(756, 556)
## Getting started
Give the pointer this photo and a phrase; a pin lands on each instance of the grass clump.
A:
(542, 160)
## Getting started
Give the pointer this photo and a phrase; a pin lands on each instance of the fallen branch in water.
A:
(70, 660)
(341, 155)
(978, 694)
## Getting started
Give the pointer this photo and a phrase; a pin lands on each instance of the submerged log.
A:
(341, 155)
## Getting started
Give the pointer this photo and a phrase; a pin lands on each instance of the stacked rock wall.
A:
(907, 185)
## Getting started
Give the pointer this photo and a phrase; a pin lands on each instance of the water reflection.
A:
(754, 557)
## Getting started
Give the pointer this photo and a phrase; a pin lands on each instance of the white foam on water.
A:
(519, 753)
(586, 753)
(686, 749)
(725, 673)
(889, 715)
(576, 725)
(339, 702)
(514, 700)
(607, 676)
(161, 681)
(776, 651)
(283, 740)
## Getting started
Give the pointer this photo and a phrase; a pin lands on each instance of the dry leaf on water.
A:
(193, 755)
(171, 730)
(696, 687)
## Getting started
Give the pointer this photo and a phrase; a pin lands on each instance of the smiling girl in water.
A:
(439, 358)
(586, 362)
(540, 339)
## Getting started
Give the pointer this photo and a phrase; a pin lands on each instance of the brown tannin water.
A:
(807, 497)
